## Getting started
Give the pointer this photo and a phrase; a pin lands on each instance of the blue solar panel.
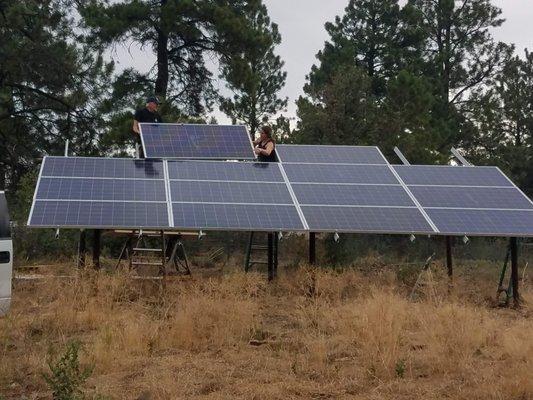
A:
(229, 142)
(230, 192)
(362, 195)
(470, 197)
(101, 189)
(224, 171)
(102, 168)
(483, 222)
(87, 214)
(365, 219)
(454, 176)
(236, 217)
(322, 173)
(330, 154)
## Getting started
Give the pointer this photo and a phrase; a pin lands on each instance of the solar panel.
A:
(126, 193)
(329, 154)
(449, 175)
(227, 142)
(98, 214)
(483, 222)
(100, 193)
(363, 195)
(366, 219)
(236, 217)
(340, 174)
(228, 195)
(224, 171)
(101, 189)
(230, 192)
(122, 168)
(470, 200)
(470, 197)
(354, 198)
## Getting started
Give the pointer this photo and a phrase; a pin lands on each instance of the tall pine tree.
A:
(255, 74)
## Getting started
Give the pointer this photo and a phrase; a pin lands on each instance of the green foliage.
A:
(52, 86)
(67, 377)
(255, 73)
(400, 368)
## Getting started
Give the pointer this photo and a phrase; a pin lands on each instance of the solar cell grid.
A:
(196, 141)
(366, 219)
(101, 189)
(102, 168)
(452, 176)
(483, 222)
(470, 197)
(363, 195)
(355, 174)
(99, 214)
(230, 192)
(224, 171)
(236, 217)
(330, 154)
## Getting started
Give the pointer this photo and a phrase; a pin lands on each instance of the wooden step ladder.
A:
(168, 251)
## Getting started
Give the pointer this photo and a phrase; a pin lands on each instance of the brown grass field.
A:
(313, 334)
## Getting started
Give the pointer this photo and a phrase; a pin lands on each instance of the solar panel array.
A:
(470, 200)
(231, 196)
(190, 141)
(99, 192)
(336, 189)
(126, 193)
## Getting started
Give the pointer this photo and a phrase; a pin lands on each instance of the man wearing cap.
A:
(147, 114)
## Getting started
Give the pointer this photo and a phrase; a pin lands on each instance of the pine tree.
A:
(503, 114)
(53, 86)
(179, 34)
(255, 74)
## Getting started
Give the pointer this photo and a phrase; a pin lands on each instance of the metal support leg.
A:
(312, 248)
(248, 252)
(96, 248)
(82, 249)
(514, 270)
(449, 256)
(270, 256)
(275, 254)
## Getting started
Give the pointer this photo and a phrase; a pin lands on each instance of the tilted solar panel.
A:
(100, 193)
(231, 196)
(340, 174)
(354, 198)
(329, 154)
(469, 200)
(125, 193)
(190, 141)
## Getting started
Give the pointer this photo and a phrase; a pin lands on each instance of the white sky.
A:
(301, 24)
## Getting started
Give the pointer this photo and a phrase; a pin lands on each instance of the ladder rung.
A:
(148, 250)
(146, 263)
(259, 262)
(259, 247)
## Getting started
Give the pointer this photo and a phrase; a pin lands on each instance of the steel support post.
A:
(312, 248)
(97, 234)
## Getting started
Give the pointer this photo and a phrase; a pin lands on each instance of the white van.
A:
(6, 258)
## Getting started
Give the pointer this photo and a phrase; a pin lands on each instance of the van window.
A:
(4, 218)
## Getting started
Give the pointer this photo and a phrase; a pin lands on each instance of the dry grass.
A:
(314, 334)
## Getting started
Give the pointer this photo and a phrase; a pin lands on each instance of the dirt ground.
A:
(356, 333)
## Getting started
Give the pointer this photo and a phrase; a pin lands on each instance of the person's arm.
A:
(266, 151)
(136, 127)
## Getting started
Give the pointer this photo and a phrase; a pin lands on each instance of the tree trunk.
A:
(161, 83)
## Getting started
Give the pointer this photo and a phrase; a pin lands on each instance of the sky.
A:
(301, 24)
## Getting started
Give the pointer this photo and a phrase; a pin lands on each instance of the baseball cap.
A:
(153, 99)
